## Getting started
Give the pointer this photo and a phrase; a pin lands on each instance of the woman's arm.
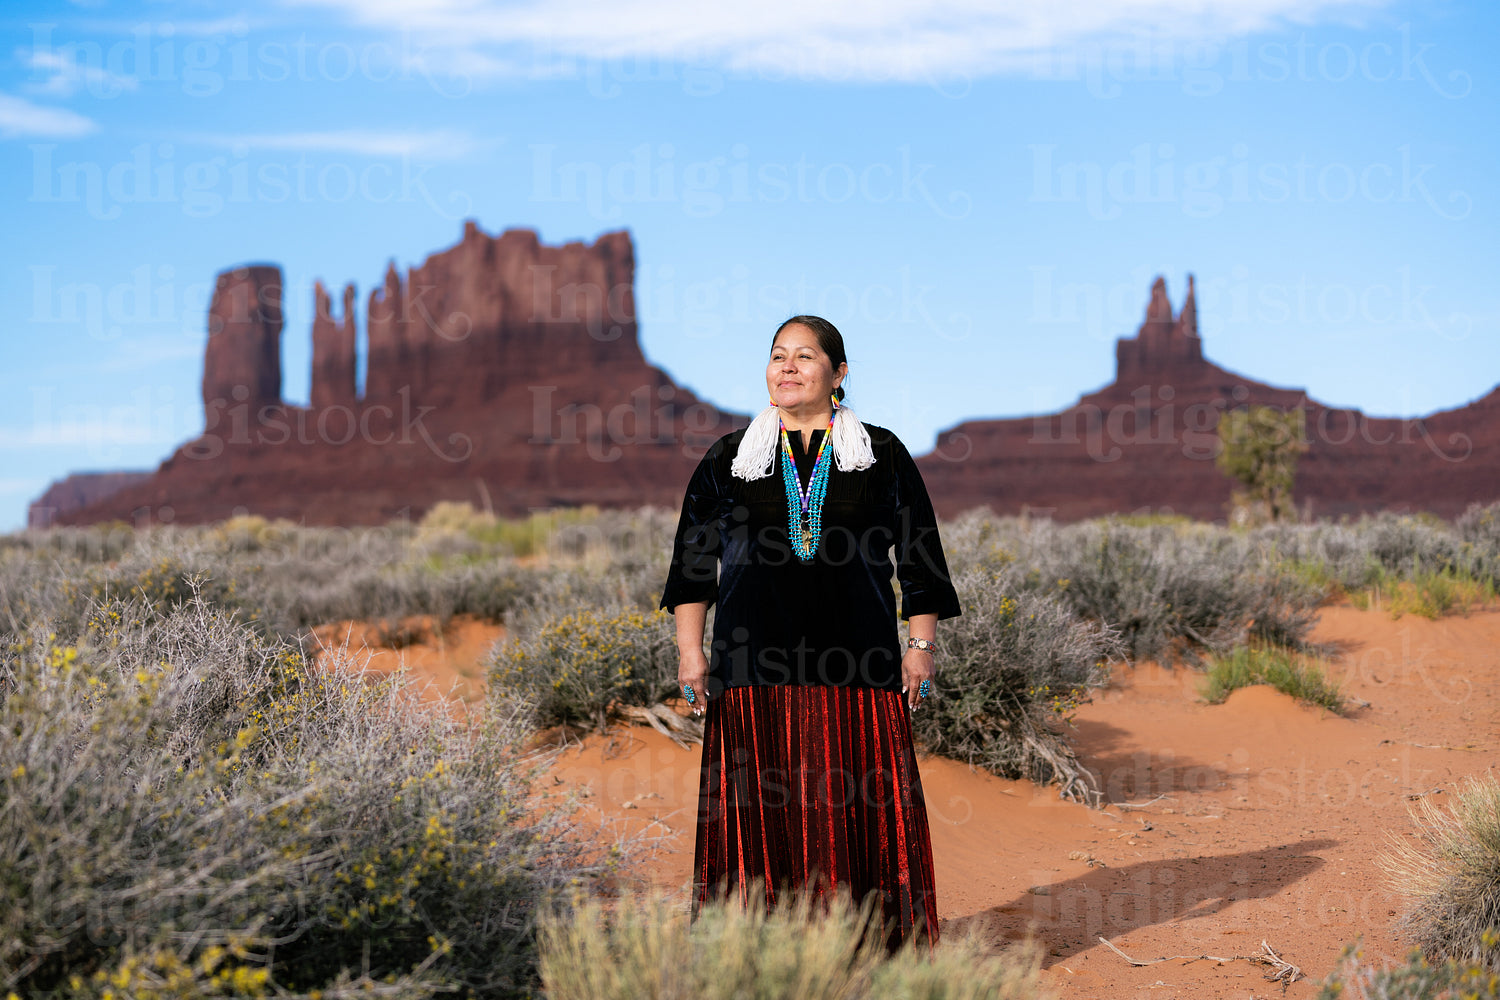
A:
(692, 665)
(917, 665)
(693, 576)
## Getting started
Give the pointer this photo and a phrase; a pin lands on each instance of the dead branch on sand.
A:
(1281, 970)
(667, 722)
(1076, 783)
(1140, 805)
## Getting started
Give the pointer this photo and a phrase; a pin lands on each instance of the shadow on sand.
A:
(1127, 771)
(1070, 916)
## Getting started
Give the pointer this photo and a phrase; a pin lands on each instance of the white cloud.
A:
(838, 39)
(65, 76)
(21, 119)
(441, 144)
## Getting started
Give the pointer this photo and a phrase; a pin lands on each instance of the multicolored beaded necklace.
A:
(804, 508)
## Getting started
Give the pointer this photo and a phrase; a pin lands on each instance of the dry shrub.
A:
(580, 667)
(187, 809)
(1453, 881)
(1013, 667)
(1168, 586)
(1415, 979)
(648, 948)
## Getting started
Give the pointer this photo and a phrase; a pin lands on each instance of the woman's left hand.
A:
(916, 666)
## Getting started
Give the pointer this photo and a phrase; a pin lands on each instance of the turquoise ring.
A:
(925, 688)
(687, 692)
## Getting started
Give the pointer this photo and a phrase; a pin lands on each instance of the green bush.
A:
(1453, 880)
(648, 948)
(1286, 671)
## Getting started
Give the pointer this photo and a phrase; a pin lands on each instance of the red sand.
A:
(449, 663)
(1261, 819)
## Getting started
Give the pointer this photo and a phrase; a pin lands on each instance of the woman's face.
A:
(799, 375)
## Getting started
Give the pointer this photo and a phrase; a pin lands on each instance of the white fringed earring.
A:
(851, 442)
(757, 452)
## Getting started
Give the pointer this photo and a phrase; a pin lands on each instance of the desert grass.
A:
(648, 947)
(1453, 879)
(1287, 671)
(1429, 593)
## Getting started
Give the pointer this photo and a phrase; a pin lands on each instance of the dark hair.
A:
(830, 342)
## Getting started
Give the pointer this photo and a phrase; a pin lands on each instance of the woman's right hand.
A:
(692, 671)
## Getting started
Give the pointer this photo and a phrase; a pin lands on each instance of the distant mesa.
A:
(509, 374)
(79, 490)
(1146, 442)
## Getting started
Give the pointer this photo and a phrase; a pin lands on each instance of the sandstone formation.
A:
(1147, 443)
(509, 374)
(333, 362)
(242, 363)
(500, 372)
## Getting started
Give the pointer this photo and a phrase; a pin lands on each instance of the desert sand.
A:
(1225, 826)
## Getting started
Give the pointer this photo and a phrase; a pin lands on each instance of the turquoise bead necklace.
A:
(804, 507)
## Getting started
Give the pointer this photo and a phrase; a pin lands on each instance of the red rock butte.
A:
(509, 375)
(500, 372)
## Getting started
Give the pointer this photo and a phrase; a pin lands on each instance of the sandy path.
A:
(1269, 824)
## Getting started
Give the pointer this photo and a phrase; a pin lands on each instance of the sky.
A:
(978, 195)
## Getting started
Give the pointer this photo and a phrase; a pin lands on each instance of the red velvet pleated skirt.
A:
(815, 789)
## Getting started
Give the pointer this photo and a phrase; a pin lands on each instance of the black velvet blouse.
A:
(828, 621)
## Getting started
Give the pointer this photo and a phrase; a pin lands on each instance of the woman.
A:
(809, 776)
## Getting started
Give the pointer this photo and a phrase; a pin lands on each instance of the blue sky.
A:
(977, 194)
